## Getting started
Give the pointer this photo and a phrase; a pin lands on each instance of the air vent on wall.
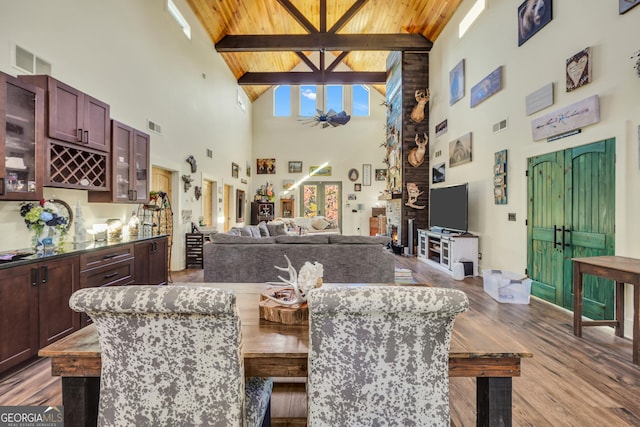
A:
(29, 62)
(153, 126)
(503, 124)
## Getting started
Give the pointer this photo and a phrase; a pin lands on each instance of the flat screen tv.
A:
(448, 207)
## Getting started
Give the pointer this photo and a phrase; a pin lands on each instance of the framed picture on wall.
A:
(532, 16)
(235, 169)
(456, 83)
(626, 5)
(266, 166)
(295, 166)
(357, 187)
(578, 69)
(381, 174)
(366, 174)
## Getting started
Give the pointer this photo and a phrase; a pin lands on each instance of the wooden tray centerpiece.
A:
(270, 310)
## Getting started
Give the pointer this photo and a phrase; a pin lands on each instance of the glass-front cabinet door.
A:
(21, 139)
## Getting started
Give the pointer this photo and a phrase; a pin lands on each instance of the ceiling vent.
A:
(153, 126)
(503, 124)
(28, 62)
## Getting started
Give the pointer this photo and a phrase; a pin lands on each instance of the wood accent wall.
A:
(413, 70)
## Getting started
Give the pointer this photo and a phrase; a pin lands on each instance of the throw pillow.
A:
(320, 224)
(276, 229)
(264, 231)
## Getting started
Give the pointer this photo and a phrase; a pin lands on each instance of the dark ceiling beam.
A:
(320, 41)
(298, 16)
(337, 61)
(314, 77)
(323, 16)
(347, 16)
(307, 61)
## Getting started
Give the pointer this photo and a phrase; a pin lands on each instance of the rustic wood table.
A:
(622, 270)
(479, 349)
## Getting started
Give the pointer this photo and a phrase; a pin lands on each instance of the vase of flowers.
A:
(48, 223)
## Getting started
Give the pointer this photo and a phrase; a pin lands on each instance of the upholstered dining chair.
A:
(379, 355)
(171, 356)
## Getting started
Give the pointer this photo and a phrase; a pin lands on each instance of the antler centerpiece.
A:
(309, 277)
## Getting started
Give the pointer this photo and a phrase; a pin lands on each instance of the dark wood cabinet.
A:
(18, 316)
(130, 165)
(21, 139)
(74, 116)
(34, 307)
(261, 211)
(151, 261)
(57, 280)
(79, 136)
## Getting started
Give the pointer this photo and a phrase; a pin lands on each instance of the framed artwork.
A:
(353, 174)
(578, 69)
(532, 16)
(381, 174)
(486, 87)
(235, 169)
(287, 183)
(318, 171)
(456, 83)
(266, 166)
(437, 173)
(357, 187)
(366, 174)
(626, 5)
(500, 178)
(585, 112)
(442, 128)
(295, 167)
(240, 198)
(247, 168)
(460, 151)
(351, 196)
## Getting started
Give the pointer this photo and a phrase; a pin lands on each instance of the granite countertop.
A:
(27, 256)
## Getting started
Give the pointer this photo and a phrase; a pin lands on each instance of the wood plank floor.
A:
(570, 381)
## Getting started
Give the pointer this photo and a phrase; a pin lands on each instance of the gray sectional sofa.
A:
(346, 259)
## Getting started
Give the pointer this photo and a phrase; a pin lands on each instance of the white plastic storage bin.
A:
(505, 286)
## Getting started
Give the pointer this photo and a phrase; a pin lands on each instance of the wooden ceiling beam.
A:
(347, 16)
(323, 41)
(314, 77)
(337, 61)
(298, 16)
(307, 61)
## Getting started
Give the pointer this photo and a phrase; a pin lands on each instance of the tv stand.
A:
(444, 247)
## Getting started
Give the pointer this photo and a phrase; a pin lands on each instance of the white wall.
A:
(132, 55)
(491, 42)
(344, 147)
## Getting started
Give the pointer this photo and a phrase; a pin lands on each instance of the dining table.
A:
(480, 349)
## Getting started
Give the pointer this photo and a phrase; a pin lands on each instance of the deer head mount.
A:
(416, 155)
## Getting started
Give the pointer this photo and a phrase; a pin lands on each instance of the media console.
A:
(443, 249)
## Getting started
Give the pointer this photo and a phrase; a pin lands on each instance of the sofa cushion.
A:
(359, 240)
(301, 240)
(320, 223)
(229, 239)
(276, 228)
(264, 231)
(248, 230)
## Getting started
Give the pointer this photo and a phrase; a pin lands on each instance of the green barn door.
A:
(571, 214)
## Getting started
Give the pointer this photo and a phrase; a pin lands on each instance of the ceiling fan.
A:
(330, 118)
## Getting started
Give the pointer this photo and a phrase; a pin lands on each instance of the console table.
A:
(622, 270)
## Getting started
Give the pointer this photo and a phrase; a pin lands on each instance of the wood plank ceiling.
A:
(358, 33)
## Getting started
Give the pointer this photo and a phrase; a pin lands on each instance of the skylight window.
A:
(179, 18)
(471, 16)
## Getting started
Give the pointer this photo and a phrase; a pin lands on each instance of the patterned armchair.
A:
(172, 355)
(380, 355)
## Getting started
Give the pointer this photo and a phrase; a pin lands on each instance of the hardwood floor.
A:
(570, 381)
